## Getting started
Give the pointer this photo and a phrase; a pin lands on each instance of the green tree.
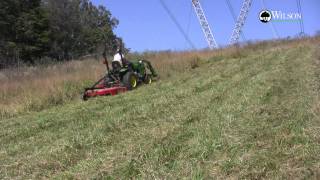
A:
(24, 29)
(59, 29)
(32, 29)
(79, 28)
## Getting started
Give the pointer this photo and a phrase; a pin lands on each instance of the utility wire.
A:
(231, 10)
(189, 19)
(302, 23)
(273, 28)
(301, 20)
(177, 24)
(234, 17)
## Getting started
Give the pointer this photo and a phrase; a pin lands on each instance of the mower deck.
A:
(94, 92)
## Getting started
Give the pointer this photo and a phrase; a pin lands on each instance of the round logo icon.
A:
(265, 16)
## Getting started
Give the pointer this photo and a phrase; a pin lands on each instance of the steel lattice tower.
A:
(204, 24)
(240, 21)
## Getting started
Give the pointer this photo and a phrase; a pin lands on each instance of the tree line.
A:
(31, 30)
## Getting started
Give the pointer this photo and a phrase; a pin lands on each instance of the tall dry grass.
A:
(36, 88)
(30, 89)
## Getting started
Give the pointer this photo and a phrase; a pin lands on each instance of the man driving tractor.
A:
(124, 75)
(119, 57)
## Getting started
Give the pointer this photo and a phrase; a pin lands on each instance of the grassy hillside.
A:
(246, 113)
(32, 89)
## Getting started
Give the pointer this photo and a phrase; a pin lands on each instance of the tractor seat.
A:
(116, 66)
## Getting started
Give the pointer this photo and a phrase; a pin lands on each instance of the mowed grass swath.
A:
(249, 112)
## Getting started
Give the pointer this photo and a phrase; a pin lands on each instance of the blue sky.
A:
(145, 25)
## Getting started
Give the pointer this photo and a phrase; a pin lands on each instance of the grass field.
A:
(31, 89)
(248, 113)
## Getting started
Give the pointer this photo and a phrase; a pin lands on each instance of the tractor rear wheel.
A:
(130, 80)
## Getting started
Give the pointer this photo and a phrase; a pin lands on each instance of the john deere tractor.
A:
(124, 75)
(132, 73)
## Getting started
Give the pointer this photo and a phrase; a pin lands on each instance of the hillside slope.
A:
(253, 116)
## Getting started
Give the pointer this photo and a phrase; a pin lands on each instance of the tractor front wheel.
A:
(148, 79)
(130, 80)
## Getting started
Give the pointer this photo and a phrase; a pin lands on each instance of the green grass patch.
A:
(235, 117)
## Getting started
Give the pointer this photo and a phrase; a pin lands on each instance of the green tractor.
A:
(124, 75)
(132, 73)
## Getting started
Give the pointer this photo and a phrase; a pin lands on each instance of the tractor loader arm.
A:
(149, 66)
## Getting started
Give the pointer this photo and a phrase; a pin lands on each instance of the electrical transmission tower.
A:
(240, 22)
(234, 17)
(204, 24)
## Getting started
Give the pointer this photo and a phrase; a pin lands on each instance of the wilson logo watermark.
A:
(266, 16)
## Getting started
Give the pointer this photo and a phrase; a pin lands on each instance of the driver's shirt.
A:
(117, 57)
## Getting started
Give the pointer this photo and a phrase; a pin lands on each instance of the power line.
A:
(231, 10)
(177, 24)
(273, 28)
(189, 19)
(234, 17)
(301, 20)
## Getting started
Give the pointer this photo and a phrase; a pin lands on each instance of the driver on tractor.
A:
(119, 60)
